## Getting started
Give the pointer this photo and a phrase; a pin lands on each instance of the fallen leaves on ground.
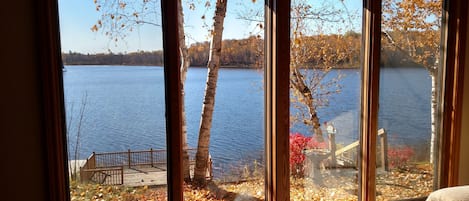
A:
(334, 185)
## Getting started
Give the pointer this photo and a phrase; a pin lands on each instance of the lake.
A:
(125, 107)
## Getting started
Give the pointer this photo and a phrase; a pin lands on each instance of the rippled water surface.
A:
(125, 109)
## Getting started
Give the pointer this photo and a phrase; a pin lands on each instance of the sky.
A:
(78, 16)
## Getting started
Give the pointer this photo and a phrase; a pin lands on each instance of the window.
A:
(277, 98)
(325, 104)
(115, 103)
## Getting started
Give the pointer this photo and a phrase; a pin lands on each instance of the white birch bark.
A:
(202, 154)
(434, 114)
(185, 62)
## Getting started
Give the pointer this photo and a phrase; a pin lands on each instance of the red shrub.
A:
(399, 156)
(299, 142)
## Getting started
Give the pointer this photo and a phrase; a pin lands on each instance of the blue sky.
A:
(78, 16)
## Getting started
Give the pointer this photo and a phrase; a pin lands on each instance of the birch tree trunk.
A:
(434, 113)
(209, 97)
(185, 62)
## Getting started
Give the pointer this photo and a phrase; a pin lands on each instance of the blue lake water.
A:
(125, 109)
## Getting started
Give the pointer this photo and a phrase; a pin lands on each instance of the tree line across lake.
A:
(236, 53)
(246, 53)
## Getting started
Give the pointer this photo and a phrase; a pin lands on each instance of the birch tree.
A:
(120, 17)
(202, 154)
(185, 62)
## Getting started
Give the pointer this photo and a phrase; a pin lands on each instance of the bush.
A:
(398, 157)
(298, 143)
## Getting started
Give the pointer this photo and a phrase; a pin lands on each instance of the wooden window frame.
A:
(371, 43)
(454, 42)
(53, 106)
(276, 101)
(173, 96)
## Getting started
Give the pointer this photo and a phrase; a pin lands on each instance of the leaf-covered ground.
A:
(396, 184)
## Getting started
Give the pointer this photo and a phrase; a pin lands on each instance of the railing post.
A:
(128, 158)
(93, 159)
(210, 163)
(151, 157)
(122, 174)
(384, 151)
(332, 148)
(81, 173)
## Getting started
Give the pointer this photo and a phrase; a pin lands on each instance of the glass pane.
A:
(235, 139)
(325, 99)
(409, 80)
(114, 96)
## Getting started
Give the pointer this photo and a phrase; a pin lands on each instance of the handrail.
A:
(384, 148)
(110, 176)
(339, 153)
(355, 144)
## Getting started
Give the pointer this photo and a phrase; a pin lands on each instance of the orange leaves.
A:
(296, 41)
(94, 28)
(122, 5)
(326, 50)
(97, 26)
(416, 181)
(412, 28)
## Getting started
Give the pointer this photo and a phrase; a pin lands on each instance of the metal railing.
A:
(108, 168)
(108, 176)
(130, 158)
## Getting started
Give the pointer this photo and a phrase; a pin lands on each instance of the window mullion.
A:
(53, 105)
(172, 79)
(454, 28)
(370, 97)
(277, 99)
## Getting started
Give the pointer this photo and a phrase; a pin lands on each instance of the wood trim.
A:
(172, 61)
(53, 107)
(277, 99)
(456, 26)
(370, 97)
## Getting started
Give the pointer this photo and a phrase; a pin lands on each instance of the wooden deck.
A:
(145, 176)
(137, 176)
(130, 168)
